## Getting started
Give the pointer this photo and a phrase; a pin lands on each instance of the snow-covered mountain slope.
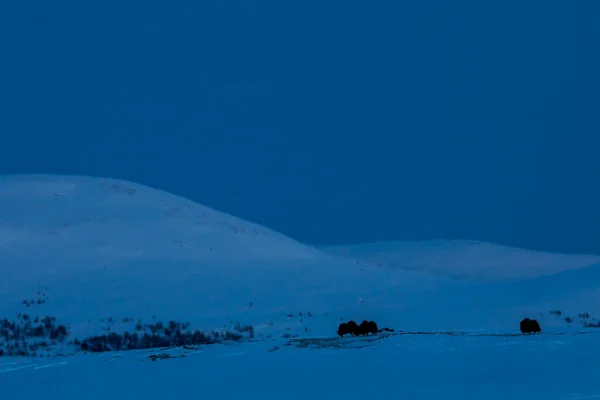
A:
(101, 255)
(106, 256)
(470, 260)
(113, 218)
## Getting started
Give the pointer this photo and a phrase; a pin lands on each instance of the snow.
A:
(411, 367)
(465, 259)
(104, 249)
(101, 254)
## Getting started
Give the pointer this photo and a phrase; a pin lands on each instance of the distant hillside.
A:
(470, 260)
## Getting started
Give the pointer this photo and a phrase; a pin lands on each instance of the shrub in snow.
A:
(591, 324)
(27, 336)
(161, 335)
(249, 329)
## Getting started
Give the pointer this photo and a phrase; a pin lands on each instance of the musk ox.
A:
(367, 327)
(348, 327)
(530, 326)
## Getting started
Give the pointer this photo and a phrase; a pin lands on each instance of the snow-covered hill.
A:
(103, 256)
(470, 260)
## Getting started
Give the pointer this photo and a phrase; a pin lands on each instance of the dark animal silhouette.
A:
(354, 327)
(530, 326)
(348, 327)
(367, 327)
(343, 329)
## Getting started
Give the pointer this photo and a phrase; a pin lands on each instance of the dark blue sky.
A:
(333, 122)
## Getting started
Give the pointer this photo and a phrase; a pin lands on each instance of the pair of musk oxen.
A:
(366, 327)
(354, 329)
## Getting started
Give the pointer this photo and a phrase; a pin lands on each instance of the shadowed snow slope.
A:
(102, 254)
(471, 260)
(92, 250)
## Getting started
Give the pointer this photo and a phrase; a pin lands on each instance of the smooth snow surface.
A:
(95, 253)
(403, 367)
(471, 260)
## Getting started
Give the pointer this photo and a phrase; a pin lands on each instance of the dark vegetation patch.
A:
(158, 335)
(584, 318)
(35, 337)
(42, 298)
(300, 314)
(593, 324)
(587, 320)
(155, 357)
(28, 335)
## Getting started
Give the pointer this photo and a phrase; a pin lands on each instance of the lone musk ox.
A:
(367, 327)
(348, 327)
(530, 326)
